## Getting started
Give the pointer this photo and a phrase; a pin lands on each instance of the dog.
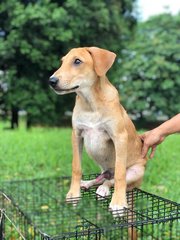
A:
(101, 124)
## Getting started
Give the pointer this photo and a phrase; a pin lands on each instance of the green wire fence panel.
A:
(36, 210)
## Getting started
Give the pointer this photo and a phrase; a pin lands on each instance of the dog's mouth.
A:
(64, 91)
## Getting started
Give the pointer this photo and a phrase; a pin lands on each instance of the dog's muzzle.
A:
(53, 81)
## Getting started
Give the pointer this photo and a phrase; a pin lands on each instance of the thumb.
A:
(142, 136)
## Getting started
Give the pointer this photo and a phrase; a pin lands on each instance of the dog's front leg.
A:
(77, 144)
(119, 202)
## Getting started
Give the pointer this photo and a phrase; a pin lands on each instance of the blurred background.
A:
(35, 34)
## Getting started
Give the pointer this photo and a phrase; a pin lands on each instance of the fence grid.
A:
(36, 210)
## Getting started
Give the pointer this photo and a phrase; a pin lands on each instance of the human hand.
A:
(150, 141)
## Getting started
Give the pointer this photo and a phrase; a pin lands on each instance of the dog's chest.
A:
(93, 130)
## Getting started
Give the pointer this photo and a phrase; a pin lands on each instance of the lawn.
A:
(45, 152)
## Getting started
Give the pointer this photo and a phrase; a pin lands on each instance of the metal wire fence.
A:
(36, 210)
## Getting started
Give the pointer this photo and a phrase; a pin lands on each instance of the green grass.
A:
(46, 152)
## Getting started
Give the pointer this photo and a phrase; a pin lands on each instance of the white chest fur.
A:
(90, 123)
(93, 130)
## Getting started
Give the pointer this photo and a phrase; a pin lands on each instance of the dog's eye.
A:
(77, 61)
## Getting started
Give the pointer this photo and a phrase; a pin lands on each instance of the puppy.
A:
(101, 124)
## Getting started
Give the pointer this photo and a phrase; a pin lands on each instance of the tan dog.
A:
(100, 123)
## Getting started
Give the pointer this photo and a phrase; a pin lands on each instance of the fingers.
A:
(153, 149)
(145, 150)
(150, 139)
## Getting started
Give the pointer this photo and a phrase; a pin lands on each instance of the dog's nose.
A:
(53, 81)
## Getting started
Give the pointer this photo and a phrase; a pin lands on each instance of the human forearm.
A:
(156, 136)
(169, 127)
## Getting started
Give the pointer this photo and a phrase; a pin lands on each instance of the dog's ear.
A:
(103, 60)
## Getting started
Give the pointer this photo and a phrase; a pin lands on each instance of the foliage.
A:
(150, 72)
(47, 152)
(33, 36)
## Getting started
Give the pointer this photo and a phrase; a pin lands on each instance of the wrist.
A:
(161, 131)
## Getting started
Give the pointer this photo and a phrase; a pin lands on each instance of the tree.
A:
(33, 36)
(149, 69)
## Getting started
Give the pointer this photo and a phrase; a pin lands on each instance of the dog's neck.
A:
(98, 94)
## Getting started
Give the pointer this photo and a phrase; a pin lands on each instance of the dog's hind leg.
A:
(134, 175)
(89, 183)
(98, 180)
(132, 231)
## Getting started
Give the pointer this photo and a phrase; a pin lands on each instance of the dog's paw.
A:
(73, 197)
(86, 184)
(102, 191)
(118, 210)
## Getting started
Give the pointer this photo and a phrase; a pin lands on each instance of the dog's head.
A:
(80, 68)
